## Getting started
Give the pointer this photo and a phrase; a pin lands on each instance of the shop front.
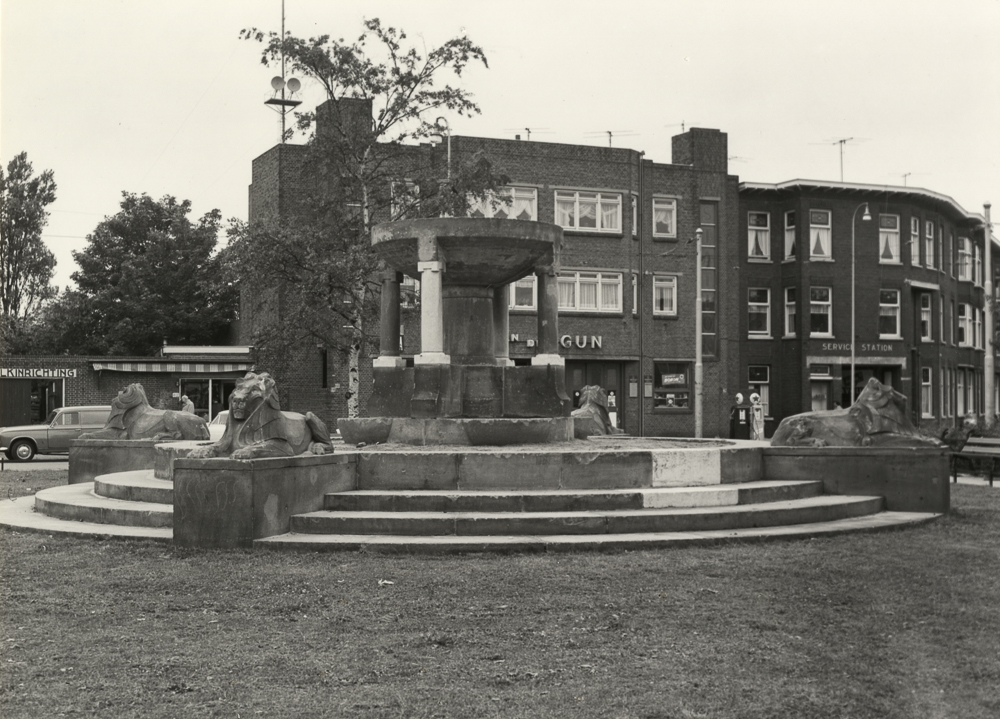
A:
(29, 394)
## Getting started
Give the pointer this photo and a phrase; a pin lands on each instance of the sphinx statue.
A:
(878, 418)
(591, 417)
(257, 427)
(132, 417)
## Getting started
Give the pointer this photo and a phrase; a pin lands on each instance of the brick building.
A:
(627, 283)
(917, 307)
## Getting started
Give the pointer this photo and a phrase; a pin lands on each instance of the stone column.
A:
(501, 325)
(431, 315)
(389, 323)
(548, 318)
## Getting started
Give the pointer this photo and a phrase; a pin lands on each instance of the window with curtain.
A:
(759, 312)
(820, 229)
(888, 239)
(591, 211)
(914, 241)
(759, 235)
(821, 311)
(790, 235)
(512, 203)
(523, 293)
(964, 258)
(925, 317)
(590, 291)
(888, 314)
(926, 392)
(789, 312)
(664, 217)
(665, 295)
(929, 244)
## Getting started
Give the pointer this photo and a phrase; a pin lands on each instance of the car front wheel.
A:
(22, 451)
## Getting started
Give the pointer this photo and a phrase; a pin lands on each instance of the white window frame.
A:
(761, 386)
(525, 282)
(600, 199)
(977, 328)
(576, 278)
(929, 244)
(669, 205)
(504, 201)
(791, 311)
(977, 266)
(964, 324)
(409, 291)
(635, 215)
(759, 235)
(964, 259)
(814, 304)
(888, 240)
(661, 282)
(926, 317)
(824, 234)
(915, 241)
(758, 307)
(635, 295)
(887, 308)
(790, 249)
(926, 392)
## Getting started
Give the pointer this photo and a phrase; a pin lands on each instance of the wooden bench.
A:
(981, 452)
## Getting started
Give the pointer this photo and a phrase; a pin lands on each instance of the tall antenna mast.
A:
(283, 105)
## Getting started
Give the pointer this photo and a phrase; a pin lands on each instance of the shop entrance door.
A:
(607, 375)
(210, 396)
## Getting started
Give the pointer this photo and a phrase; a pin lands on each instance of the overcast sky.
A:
(162, 97)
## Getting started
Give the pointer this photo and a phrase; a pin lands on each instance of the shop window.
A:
(590, 292)
(926, 392)
(929, 244)
(790, 311)
(759, 377)
(672, 385)
(790, 235)
(925, 317)
(759, 235)
(665, 295)
(888, 314)
(590, 211)
(914, 241)
(820, 311)
(759, 311)
(888, 239)
(512, 203)
(523, 294)
(820, 230)
(664, 217)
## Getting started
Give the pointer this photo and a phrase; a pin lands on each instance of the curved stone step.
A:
(137, 486)
(79, 503)
(585, 542)
(20, 515)
(796, 511)
(556, 500)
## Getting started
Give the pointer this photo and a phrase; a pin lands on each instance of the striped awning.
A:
(183, 367)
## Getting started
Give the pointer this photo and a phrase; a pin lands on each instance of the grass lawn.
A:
(900, 624)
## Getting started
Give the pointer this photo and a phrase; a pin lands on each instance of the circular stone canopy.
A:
(476, 251)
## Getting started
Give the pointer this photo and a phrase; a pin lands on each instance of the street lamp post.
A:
(854, 221)
(699, 378)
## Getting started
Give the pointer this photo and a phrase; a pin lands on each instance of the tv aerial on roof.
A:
(840, 141)
(612, 134)
(906, 176)
(684, 125)
(528, 130)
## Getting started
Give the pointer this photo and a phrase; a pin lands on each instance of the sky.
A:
(163, 97)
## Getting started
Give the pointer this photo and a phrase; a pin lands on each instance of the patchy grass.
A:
(900, 624)
(14, 484)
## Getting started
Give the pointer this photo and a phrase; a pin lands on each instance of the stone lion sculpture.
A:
(878, 418)
(591, 417)
(256, 426)
(133, 418)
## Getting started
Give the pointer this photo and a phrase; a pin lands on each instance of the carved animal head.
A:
(593, 394)
(129, 398)
(251, 392)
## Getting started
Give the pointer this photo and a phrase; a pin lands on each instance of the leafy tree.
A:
(319, 256)
(147, 275)
(26, 264)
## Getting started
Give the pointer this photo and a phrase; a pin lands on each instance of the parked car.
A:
(217, 427)
(24, 442)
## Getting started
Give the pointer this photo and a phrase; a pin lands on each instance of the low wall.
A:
(910, 479)
(228, 503)
(90, 458)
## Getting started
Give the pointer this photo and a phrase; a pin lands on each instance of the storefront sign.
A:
(517, 338)
(869, 347)
(581, 341)
(669, 379)
(29, 373)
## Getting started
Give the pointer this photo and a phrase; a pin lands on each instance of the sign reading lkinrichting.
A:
(33, 373)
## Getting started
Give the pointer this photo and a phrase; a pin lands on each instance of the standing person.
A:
(187, 405)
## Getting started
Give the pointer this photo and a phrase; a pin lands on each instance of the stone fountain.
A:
(463, 389)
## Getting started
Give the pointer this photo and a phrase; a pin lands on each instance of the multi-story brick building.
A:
(627, 279)
(902, 266)
(778, 280)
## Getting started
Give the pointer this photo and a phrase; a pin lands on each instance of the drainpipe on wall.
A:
(989, 361)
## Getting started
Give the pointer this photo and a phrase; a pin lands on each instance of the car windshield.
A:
(220, 418)
(52, 416)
